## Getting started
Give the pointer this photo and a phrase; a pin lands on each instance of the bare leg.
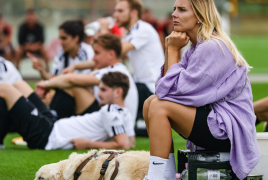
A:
(10, 94)
(83, 99)
(261, 109)
(163, 115)
(146, 107)
(261, 105)
(24, 88)
(145, 111)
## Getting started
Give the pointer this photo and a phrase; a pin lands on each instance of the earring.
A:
(198, 22)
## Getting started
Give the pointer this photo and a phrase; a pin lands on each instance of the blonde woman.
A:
(206, 97)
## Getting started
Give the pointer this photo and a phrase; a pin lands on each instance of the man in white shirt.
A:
(107, 53)
(8, 72)
(74, 51)
(41, 130)
(142, 46)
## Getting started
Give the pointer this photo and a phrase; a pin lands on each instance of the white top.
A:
(131, 100)
(8, 72)
(148, 55)
(85, 53)
(109, 121)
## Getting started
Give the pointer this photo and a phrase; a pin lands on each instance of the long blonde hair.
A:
(211, 28)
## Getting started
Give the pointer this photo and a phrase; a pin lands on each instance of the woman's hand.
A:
(37, 64)
(177, 40)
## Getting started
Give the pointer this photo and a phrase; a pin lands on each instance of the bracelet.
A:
(46, 81)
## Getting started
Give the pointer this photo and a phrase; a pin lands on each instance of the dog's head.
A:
(50, 171)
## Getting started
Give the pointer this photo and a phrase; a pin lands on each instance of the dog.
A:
(133, 165)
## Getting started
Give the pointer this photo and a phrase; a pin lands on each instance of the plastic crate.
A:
(193, 165)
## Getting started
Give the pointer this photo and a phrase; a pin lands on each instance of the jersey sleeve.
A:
(9, 72)
(112, 120)
(139, 38)
(129, 126)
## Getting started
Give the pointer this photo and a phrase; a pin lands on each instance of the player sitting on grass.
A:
(107, 50)
(20, 106)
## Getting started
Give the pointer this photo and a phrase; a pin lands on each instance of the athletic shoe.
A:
(19, 141)
(2, 146)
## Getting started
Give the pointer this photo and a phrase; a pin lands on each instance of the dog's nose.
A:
(41, 178)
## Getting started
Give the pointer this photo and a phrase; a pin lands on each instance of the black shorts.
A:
(201, 135)
(33, 121)
(63, 104)
(144, 93)
(94, 107)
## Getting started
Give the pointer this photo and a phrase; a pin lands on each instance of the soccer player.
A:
(141, 45)
(41, 130)
(8, 72)
(107, 53)
(74, 51)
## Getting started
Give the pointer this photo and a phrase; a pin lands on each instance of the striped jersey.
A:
(8, 72)
(109, 121)
(63, 60)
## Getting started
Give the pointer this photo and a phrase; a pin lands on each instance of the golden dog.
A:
(133, 165)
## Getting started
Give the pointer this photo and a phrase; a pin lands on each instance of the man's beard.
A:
(126, 23)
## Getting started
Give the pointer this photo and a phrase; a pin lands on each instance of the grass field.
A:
(17, 162)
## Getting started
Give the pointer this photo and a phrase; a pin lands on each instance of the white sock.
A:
(157, 168)
(170, 172)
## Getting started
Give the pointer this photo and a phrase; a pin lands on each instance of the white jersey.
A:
(8, 72)
(131, 100)
(148, 55)
(109, 121)
(85, 53)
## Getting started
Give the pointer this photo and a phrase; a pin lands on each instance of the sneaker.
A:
(2, 146)
(19, 141)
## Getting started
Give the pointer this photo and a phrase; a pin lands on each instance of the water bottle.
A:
(206, 174)
(216, 157)
(92, 28)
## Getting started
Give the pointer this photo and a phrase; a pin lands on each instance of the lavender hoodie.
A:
(206, 74)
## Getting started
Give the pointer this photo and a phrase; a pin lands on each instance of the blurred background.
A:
(245, 20)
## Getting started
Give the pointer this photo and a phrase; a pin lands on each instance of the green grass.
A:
(255, 51)
(17, 162)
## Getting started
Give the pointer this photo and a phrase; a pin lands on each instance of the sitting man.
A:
(107, 50)
(31, 38)
(41, 130)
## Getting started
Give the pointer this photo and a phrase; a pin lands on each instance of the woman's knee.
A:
(147, 103)
(156, 108)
